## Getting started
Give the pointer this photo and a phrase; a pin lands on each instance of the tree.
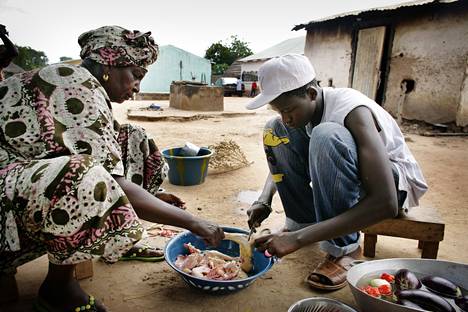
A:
(239, 48)
(65, 58)
(218, 53)
(28, 58)
(222, 55)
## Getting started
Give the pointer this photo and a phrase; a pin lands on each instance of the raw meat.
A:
(210, 264)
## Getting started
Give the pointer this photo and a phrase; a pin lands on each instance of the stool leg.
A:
(9, 288)
(84, 270)
(430, 250)
(420, 244)
(370, 240)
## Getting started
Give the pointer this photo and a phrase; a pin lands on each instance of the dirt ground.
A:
(136, 286)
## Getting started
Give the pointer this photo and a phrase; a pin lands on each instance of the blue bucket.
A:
(187, 170)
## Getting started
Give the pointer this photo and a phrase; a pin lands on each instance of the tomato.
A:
(388, 277)
(385, 290)
(371, 291)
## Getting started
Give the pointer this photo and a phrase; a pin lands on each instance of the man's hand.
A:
(278, 245)
(172, 200)
(257, 213)
(211, 233)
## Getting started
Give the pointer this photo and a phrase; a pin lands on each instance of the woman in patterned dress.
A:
(73, 182)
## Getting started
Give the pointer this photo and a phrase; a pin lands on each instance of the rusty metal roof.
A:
(385, 8)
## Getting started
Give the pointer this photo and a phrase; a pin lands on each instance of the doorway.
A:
(370, 62)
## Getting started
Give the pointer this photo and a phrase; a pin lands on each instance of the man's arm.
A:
(269, 190)
(150, 208)
(259, 212)
(377, 180)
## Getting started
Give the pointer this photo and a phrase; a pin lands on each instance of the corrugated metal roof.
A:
(385, 8)
(293, 45)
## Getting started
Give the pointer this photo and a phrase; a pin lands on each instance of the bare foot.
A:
(66, 296)
(141, 250)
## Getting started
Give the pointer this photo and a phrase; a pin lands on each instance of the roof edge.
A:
(356, 13)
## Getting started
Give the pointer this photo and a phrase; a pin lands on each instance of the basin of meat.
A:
(216, 270)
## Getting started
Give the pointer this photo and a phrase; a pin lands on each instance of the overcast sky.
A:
(53, 26)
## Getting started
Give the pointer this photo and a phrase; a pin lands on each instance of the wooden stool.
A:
(422, 223)
(84, 270)
(9, 287)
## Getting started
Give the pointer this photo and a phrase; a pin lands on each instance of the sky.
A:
(53, 26)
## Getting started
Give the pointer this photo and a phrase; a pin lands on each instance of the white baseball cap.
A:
(282, 74)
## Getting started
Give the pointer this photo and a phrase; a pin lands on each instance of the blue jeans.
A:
(317, 177)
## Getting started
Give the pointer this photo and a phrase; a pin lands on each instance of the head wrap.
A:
(117, 46)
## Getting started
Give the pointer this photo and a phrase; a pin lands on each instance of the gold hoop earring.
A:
(105, 77)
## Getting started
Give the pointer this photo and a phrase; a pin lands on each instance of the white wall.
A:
(251, 66)
(167, 69)
(329, 50)
(248, 67)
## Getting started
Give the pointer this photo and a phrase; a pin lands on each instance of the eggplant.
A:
(462, 303)
(405, 279)
(409, 304)
(426, 300)
(441, 286)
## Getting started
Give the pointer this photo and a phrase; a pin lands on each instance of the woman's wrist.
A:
(192, 223)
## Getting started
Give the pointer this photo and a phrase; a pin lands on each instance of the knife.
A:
(252, 230)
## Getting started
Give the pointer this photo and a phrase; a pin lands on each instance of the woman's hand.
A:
(171, 199)
(211, 233)
(278, 245)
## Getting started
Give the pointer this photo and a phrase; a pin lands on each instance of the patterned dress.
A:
(59, 150)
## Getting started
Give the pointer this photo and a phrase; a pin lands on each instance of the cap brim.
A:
(261, 100)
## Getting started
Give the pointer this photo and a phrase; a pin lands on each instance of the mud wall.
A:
(429, 49)
(196, 97)
(329, 49)
(462, 112)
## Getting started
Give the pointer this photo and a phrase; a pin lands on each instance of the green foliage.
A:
(28, 58)
(65, 58)
(239, 48)
(222, 55)
(219, 69)
(218, 53)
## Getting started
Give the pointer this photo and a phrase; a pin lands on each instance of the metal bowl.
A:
(455, 272)
(320, 304)
(175, 247)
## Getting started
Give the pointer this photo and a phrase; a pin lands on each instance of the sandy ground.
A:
(137, 286)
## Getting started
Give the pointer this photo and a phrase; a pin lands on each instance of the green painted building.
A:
(175, 64)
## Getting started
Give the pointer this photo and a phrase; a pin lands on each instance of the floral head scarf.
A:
(117, 46)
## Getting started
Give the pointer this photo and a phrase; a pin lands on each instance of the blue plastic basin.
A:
(175, 247)
(187, 170)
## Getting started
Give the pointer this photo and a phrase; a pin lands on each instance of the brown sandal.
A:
(330, 274)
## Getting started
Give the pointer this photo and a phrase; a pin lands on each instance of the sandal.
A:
(331, 273)
(140, 254)
(41, 306)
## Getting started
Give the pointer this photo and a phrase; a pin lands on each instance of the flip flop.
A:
(135, 256)
(41, 306)
(332, 272)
